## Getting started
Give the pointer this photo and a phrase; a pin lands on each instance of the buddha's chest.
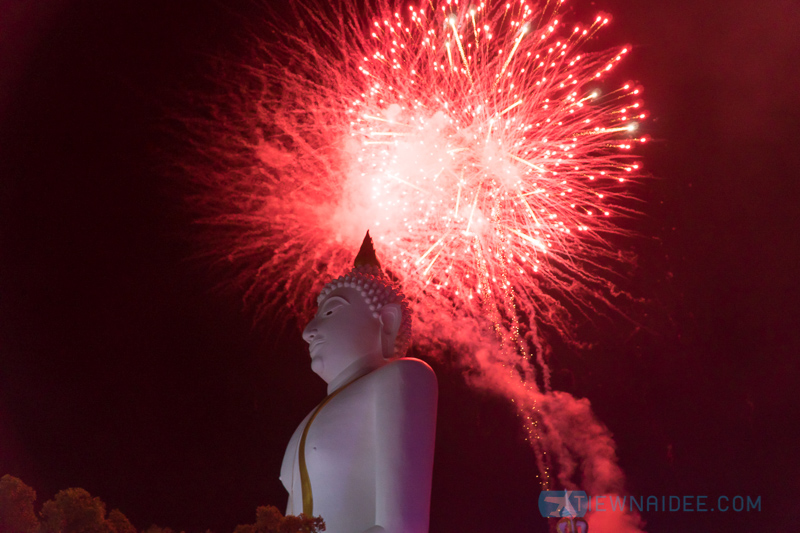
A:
(339, 447)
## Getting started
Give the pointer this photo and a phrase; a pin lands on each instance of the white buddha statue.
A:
(363, 458)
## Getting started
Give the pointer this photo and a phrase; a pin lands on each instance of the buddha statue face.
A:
(344, 332)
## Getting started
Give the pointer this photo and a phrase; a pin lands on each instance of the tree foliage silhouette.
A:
(76, 511)
(16, 506)
(270, 520)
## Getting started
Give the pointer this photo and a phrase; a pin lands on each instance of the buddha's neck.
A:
(363, 366)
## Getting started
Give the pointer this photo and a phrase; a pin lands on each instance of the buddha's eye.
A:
(330, 307)
(330, 310)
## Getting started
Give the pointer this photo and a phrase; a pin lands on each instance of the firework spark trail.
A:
(485, 151)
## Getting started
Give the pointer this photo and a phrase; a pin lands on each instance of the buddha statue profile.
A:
(363, 458)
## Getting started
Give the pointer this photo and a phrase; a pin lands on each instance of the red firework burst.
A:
(478, 142)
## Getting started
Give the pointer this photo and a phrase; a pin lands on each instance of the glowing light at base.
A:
(486, 146)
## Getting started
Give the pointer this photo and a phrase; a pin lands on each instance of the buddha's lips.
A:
(313, 346)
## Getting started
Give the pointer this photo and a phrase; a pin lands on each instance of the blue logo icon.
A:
(561, 503)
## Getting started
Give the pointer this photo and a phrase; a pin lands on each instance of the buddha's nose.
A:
(310, 332)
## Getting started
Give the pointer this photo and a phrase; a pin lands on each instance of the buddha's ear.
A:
(391, 316)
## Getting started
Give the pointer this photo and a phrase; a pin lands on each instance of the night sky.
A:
(125, 372)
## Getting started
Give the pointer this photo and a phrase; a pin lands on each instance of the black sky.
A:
(123, 372)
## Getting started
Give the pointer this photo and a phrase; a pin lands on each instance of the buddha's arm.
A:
(406, 429)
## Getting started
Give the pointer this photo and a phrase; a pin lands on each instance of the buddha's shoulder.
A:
(407, 369)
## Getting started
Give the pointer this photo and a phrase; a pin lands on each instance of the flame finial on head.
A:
(366, 255)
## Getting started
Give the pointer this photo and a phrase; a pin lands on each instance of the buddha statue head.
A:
(362, 321)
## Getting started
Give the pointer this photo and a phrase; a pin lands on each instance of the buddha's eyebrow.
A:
(334, 299)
